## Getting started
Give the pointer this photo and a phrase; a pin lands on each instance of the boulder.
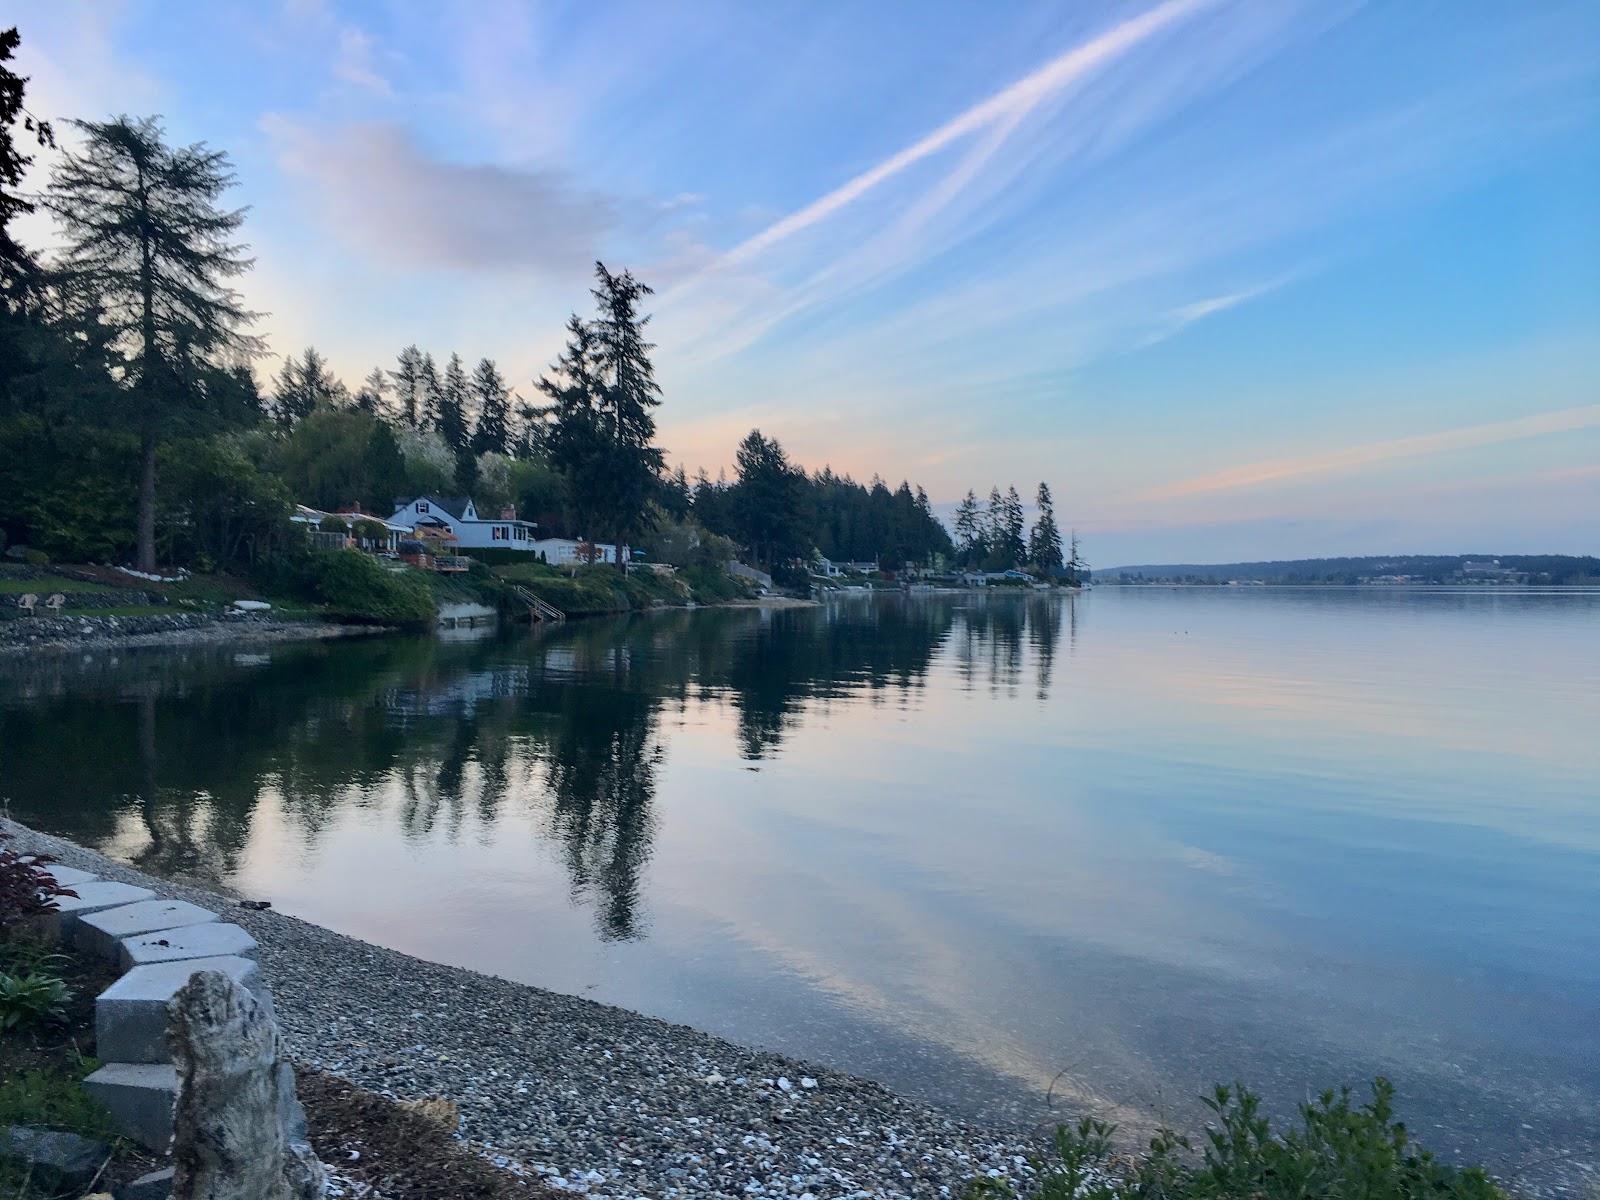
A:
(58, 1161)
(229, 1138)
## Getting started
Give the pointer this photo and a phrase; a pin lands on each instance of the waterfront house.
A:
(364, 529)
(459, 515)
(572, 551)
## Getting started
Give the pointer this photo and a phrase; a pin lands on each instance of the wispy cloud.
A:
(1354, 458)
(356, 61)
(1004, 107)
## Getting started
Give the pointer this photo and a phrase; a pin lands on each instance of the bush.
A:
(37, 998)
(35, 558)
(356, 587)
(333, 524)
(26, 889)
(1337, 1151)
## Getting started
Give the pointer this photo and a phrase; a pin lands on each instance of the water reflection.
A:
(562, 722)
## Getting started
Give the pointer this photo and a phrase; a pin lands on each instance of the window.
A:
(501, 533)
(422, 506)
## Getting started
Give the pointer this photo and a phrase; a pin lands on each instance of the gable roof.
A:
(454, 505)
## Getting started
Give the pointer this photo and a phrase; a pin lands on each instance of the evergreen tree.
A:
(18, 271)
(767, 502)
(1016, 550)
(969, 530)
(452, 409)
(1044, 543)
(146, 238)
(370, 399)
(428, 393)
(603, 387)
(408, 387)
(288, 395)
(492, 434)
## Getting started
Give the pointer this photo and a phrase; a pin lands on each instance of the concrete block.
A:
(101, 933)
(196, 941)
(91, 898)
(69, 877)
(55, 1162)
(155, 1186)
(140, 1097)
(130, 1016)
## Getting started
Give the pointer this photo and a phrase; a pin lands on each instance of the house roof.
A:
(454, 505)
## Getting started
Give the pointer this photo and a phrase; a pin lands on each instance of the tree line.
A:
(131, 417)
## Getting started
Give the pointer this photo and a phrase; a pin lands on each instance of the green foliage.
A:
(218, 505)
(31, 1000)
(332, 458)
(55, 1100)
(1339, 1151)
(358, 588)
(68, 488)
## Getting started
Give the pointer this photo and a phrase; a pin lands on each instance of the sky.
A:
(1240, 280)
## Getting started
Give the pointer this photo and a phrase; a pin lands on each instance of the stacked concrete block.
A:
(140, 1097)
(130, 1017)
(92, 897)
(102, 933)
(207, 940)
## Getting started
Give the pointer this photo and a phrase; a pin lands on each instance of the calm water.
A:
(1130, 842)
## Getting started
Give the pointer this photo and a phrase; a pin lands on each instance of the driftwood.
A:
(234, 1135)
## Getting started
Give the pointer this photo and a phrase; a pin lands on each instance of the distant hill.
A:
(1547, 569)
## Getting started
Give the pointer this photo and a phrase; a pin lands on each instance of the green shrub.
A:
(38, 998)
(35, 558)
(333, 524)
(1338, 1151)
(356, 587)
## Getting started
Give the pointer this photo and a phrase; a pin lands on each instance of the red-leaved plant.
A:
(26, 889)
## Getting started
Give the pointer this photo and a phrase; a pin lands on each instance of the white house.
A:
(460, 516)
(560, 551)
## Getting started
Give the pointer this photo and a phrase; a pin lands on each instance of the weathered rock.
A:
(229, 1140)
(58, 1161)
(155, 1186)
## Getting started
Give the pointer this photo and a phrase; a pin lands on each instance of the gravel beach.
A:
(594, 1099)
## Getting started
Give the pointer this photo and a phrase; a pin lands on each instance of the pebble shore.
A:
(595, 1100)
(50, 634)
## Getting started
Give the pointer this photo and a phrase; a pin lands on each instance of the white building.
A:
(460, 516)
(567, 551)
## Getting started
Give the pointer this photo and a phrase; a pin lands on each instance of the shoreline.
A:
(185, 629)
(592, 1098)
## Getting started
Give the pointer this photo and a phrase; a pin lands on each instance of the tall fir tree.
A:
(1044, 541)
(969, 530)
(145, 235)
(603, 389)
(371, 398)
(19, 273)
(492, 433)
(407, 377)
(767, 502)
(453, 423)
(428, 393)
(1016, 549)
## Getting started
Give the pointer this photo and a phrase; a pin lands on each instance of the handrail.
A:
(539, 608)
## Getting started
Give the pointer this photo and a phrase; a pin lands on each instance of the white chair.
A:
(56, 603)
(28, 602)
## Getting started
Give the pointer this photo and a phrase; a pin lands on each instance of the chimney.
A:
(508, 513)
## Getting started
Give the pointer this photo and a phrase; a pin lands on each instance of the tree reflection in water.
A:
(165, 757)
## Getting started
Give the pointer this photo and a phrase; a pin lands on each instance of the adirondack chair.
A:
(56, 603)
(28, 602)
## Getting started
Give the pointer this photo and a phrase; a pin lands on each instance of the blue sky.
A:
(1259, 279)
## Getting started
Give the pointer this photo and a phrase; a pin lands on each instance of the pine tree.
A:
(969, 530)
(452, 409)
(408, 386)
(1044, 543)
(428, 393)
(19, 274)
(767, 501)
(492, 434)
(370, 399)
(1016, 549)
(144, 234)
(603, 387)
(287, 395)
